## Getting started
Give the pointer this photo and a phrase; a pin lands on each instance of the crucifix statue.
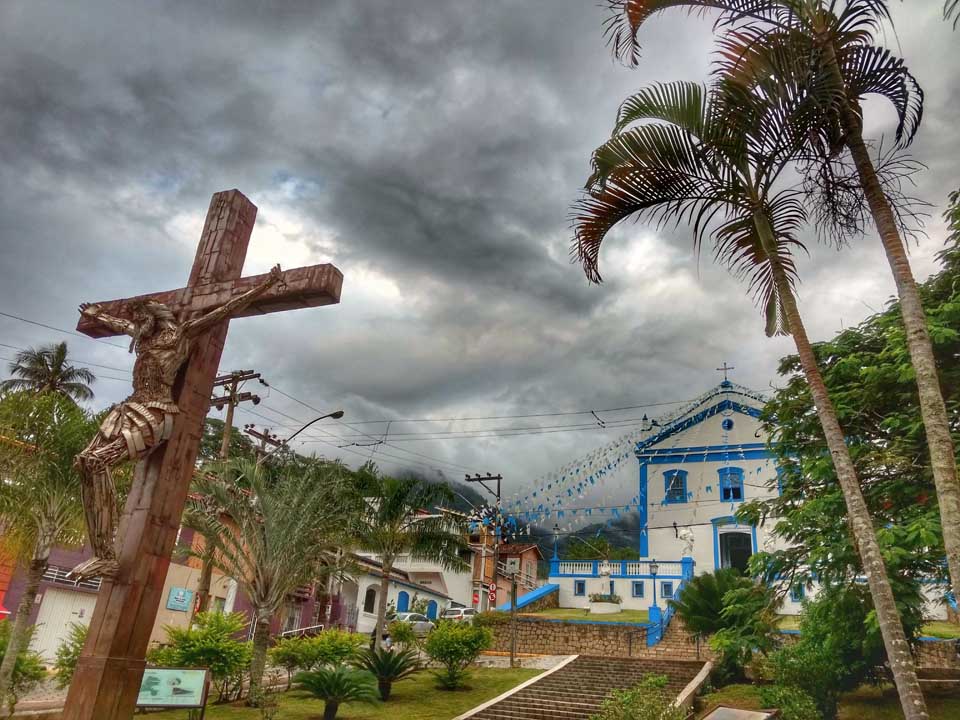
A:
(137, 426)
(178, 336)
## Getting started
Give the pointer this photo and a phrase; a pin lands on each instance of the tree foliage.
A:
(649, 700)
(68, 654)
(455, 646)
(339, 684)
(388, 666)
(28, 670)
(210, 442)
(46, 369)
(700, 602)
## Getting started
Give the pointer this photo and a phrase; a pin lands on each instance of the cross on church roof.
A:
(725, 369)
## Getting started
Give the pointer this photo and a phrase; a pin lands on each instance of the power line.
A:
(73, 360)
(99, 377)
(61, 330)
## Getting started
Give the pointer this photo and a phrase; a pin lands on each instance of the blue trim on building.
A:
(689, 421)
(719, 453)
(644, 535)
(731, 484)
(719, 522)
(668, 477)
(637, 589)
(532, 596)
(579, 588)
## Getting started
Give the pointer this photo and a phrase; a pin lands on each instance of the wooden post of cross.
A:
(107, 679)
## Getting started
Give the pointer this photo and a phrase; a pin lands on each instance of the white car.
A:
(422, 625)
(463, 614)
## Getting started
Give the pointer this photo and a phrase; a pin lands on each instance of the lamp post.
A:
(653, 573)
(336, 415)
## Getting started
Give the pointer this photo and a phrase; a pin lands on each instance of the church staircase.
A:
(577, 689)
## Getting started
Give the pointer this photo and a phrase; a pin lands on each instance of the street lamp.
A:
(653, 572)
(556, 532)
(336, 415)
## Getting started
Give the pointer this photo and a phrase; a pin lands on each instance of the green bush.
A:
(700, 601)
(388, 666)
(793, 703)
(647, 701)
(455, 646)
(335, 647)
(491, 618)
(402, 634)
(750, 628)
(28, 669)
(292, 654)
(69, 653)
(815, 670)
(339, 684)
(605, 598)
(210, 644)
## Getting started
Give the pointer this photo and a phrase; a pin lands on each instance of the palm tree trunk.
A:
(858, 515)
(933, 411)
(203, 584)
(330, 708)
(258, 661)
(19, 633)
(932, 408)
(387, 568)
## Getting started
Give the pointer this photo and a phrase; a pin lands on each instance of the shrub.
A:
(334, 647)
(69, 653)
(750, 627)
(340, 684)
(815, 670)
(700, 601)
(491, 618)
(605, 597)
(210, 644)
(292, 654)
(455, 646)
(28, 669)
(402, 634)
(647, 701)
(388, 666)
(793, 703)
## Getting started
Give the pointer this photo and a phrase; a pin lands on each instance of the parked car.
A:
(421, 623)
(463, 614)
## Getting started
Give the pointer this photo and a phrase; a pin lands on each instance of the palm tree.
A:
(713, 161)
(40, 498)
(269, 531)
(399, 518)
(47, 370)
(830, 48)
(338, 684)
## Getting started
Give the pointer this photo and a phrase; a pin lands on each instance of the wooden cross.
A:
(107, 679)
(725, 369)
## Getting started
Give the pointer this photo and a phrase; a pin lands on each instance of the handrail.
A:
(300, 632)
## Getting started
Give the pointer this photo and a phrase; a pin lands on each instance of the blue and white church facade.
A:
(693, 471)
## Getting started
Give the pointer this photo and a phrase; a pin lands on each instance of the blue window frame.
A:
(674, 486)
(731, 484)
(638, 588)
(666, 590)
(579, 587)
(796, 593)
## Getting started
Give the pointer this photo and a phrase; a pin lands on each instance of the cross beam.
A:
(107, 679)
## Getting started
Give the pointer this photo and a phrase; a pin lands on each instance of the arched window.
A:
(674, 486)
(731, 484)
(403, 601)
(370, 600)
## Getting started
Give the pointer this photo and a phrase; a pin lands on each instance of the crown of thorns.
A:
(157, 309)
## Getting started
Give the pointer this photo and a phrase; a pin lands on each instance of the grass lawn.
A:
(413, 699)
(631, 616)
(934, 628)
(867, 702)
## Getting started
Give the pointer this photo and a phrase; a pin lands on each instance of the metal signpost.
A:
(183, 688)
(513, 568)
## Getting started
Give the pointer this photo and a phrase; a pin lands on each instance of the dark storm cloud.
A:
(431, 149)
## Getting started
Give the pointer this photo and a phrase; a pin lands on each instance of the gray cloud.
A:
(431, 150)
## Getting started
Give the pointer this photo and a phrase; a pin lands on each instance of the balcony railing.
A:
(666, 569)
(61, 576)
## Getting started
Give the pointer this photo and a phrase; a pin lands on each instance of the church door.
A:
(735, 550)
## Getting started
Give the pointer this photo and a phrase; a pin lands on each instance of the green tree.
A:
(700, 602)
(678, 154)
(829, 49)
(68, 654)
(388, 666)
(401, 517)
(339, 684)
(28, 668)
(455, 646)
(46, 369)
(598, 549)
(212, 439)
(270, 529)
(650, 700)
(40, 500)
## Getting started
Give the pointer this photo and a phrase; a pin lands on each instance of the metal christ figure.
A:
(140, 424)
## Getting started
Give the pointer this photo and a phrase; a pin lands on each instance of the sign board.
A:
(513, 566)
(476, 597)
(173, 687)
(493, 593)
(180, 599)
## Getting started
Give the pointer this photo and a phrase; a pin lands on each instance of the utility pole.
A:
(231, 382)
(265, 437)
(497, 519)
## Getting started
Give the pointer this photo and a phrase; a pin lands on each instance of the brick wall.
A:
(550, 600)
(940, 654)
(557, 637)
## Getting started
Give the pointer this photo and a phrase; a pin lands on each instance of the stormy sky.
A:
(431, 149)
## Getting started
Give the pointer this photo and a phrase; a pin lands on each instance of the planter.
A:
(604, 608)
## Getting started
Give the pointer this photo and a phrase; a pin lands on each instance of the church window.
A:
(666, 590)
(613, 590)
(727, 424)
(675, 486)
(370, 600)
(731, 484)
(796, 593)
(638, 588)
(579, 588)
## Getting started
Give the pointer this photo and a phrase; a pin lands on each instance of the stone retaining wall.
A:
(550, 600)
(560, 637)
(940, 654)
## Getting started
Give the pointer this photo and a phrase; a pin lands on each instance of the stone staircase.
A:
(576, 690)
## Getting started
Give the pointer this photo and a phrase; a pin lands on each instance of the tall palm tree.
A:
(268, 530)
(40, 496)
(830, 47)
(714, 161)
(400, 518)
(47, 370)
